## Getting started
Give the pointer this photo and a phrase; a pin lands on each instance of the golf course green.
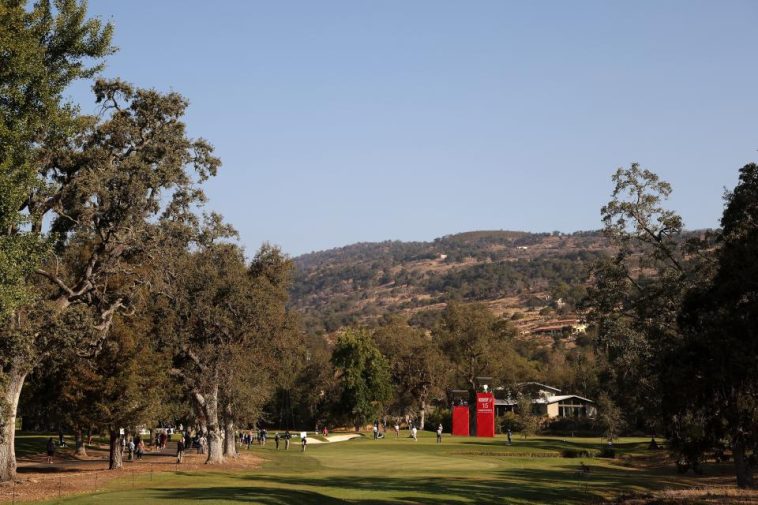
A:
(364, 471)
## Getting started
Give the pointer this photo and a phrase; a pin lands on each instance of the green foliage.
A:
(494, 280)
(509, 421)
(568, 426)
(577, 453)
(475, 342)
(439, 416)
(717, 361)
(44, 49)
(530, 423)
(636, 295)
(419, 371)
(609, 416)
(364, 377)
(607, 452)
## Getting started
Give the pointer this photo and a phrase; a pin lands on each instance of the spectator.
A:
(50, 450)
(180, 450)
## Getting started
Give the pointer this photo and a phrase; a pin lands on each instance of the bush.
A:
(576, 453)
(437, 417)
(565, 426)
(608, 452)
(509, 420)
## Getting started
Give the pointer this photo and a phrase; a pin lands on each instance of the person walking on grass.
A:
(509, 435)
(180, 450)
(397, 429)
(50, 450)
(439, 434)
(414, 433)
(287, 437)
(376, 431)
(276, 440)
(303, 440)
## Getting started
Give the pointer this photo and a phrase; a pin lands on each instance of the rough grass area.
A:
(395, 471)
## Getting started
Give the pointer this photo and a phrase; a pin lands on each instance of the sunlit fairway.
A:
(461, 470)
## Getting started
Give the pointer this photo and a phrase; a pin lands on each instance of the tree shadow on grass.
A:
(521, 487)
(563, 484)
(551, 444)
(47, 469)
(243, 494)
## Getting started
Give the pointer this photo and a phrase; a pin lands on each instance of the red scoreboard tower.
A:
(485, 415)
(460, 412)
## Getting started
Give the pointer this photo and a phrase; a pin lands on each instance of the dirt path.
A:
(39, 480)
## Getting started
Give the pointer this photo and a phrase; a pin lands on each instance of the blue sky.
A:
(347, 121)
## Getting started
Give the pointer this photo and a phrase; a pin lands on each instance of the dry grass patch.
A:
(37, 481)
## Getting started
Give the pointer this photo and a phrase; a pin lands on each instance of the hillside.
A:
(534, 278)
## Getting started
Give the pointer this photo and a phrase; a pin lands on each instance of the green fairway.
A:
(461, 470)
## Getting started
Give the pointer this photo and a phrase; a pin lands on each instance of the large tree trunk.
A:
(742, 466)
(81, 450)
(116, 456)
(422, 415)
(8, 424)
(215, 437)
(230, 446)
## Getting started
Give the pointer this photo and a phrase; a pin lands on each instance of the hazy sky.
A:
(346, 121)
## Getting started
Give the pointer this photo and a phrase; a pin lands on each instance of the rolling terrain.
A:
(535, 279)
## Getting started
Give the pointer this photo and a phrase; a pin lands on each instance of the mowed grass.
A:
(363, 471)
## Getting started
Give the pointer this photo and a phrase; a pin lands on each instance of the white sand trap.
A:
(334, 438)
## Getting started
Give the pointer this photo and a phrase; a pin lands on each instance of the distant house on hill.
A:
(546, 401)
(560, 328)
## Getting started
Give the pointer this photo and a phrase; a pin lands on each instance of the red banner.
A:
(460, 420)
(485, 415)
